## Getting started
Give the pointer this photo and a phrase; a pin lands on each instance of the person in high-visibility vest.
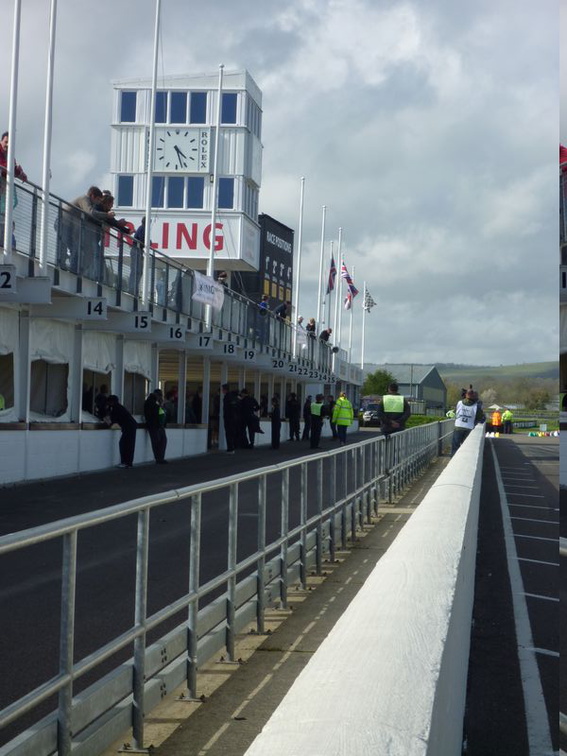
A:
(496, 421)
(393, 411)
(342, 416)
(318, 412)
(507, 418)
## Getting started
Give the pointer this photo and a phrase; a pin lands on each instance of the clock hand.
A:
(181, 154)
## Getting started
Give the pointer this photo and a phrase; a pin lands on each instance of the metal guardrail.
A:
(342, 488)
(82, 245)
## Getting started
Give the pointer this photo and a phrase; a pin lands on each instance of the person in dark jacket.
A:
(393, 411)
(230, 416)
(276, 422)
(156, 419)
(117, 414)
(293, 414)
(249, 420)
(318, 413)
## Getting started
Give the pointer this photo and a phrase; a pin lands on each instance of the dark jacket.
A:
(387, 419)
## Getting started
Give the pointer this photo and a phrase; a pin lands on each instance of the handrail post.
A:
(67, 642)
(194, 579)
(261, 582)
(231, 565)
(333, 499)
(303, 521)
(284, 528)
(319, 528)
(141, 605)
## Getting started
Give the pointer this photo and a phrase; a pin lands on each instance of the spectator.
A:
(467, 415)
(100, 401)
(197, 405)
(19, 173)
(156, 420)
(231, 416)
(249, 422)
(283, 310)
(342, 415)
(276, 422)
(325, 334)
(293, 414)
(507, 418)
(137, 258)
(79, 229)
(311, 327)
(307, 418)
(222, 277)
(117, 414)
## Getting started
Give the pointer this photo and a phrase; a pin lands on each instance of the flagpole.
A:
(336, 322)
(212, 237)
(150, 173)
(295, 306)
(46, 175)
(327, 315)
(321, 266)
(363, 328)
(10, 174)
(351, 321)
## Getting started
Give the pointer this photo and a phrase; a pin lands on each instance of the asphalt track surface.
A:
(496, 721)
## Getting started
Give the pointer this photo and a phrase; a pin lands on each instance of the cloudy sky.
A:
(429, 130)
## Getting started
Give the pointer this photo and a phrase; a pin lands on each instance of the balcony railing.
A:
(80, 245)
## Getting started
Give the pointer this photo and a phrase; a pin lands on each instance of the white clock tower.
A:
(182, 165)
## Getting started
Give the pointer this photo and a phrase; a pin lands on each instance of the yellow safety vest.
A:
(393, 403)
(316, 408)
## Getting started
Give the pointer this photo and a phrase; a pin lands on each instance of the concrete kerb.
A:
(407, 697)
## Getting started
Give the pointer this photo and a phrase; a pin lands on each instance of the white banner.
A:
(208, 291)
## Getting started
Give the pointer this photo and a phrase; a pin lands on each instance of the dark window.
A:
(195, 191)
(135, 391)
(161, 107)
(48, 388)
(178, 105)
(7, 380)
(226, 193)
(128, 107)
(158, 187)
(198, 107)
(175, 191)
(125, 191)
(228, 112)
(92, 384)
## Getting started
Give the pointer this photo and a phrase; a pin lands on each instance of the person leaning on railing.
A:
(18, 172)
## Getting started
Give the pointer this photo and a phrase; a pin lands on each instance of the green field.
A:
(465, 374)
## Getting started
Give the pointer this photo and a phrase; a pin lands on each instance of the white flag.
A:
(368, 303)
(208, 291)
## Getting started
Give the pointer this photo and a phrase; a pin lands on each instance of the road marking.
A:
(529, 496)
(534, 519)
(538, 561)
(544, 651)
(533, 506)
(539, 737)
(543, 598)
(535, 538)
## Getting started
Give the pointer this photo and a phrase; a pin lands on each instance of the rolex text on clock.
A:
(181, 150)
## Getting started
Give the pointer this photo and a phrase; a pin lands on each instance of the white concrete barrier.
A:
(390, 678)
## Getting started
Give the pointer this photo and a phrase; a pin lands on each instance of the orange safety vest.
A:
(496, 419)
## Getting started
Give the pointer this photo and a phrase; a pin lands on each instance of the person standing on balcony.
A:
(325, 335)
(78, 233)
(18, 172)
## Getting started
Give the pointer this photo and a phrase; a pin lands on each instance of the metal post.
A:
(261, 599)
(141, 605)
(319, 531)
(333, 499)
(194, 579)
(303, 519)
(66, 642)
(231, 565)
(284, 528)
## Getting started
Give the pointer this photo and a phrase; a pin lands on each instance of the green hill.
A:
(465, 374)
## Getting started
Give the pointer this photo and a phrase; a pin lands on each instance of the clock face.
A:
(180, 150)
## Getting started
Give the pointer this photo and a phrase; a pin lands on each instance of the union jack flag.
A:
(332, 276)
(353, 291)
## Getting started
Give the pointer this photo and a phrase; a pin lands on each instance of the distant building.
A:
(417, 382)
